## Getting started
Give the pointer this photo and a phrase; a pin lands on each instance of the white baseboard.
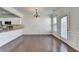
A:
(65, 41)
(38, 34)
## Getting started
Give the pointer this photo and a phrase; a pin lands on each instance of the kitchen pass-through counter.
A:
(8, 35)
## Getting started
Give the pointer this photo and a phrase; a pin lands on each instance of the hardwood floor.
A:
(40, 43)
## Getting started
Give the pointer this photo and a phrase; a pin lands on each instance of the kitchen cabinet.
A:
(7, 36)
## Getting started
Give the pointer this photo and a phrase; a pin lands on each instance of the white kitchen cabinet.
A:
(8, 36)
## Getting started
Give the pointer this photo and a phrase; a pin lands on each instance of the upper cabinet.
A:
(9, 12)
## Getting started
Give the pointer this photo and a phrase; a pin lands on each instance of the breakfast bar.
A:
(9, 34)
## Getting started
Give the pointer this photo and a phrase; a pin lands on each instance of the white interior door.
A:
(64, 27)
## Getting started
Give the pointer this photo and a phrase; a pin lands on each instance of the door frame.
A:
(68, 26)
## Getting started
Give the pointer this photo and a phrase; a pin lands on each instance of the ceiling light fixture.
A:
(36, 15)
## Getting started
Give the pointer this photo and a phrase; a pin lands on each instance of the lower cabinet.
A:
(8, 36)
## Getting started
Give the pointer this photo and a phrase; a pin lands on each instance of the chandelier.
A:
(36, 15)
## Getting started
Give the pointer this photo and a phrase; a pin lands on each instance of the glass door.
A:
(64, 27)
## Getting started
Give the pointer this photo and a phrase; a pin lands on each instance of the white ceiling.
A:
(5, 13)
(44, 11)
(2, 11)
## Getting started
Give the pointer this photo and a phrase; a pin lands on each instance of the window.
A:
(55, 24)
(64, 27)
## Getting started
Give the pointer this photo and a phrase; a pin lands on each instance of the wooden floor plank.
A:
(39, 43)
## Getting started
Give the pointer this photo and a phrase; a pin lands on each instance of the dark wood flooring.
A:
(39, 43)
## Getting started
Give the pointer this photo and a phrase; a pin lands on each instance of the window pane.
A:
(64, 27)
(55, 24)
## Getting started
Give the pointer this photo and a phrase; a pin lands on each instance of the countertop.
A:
(13, 27)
